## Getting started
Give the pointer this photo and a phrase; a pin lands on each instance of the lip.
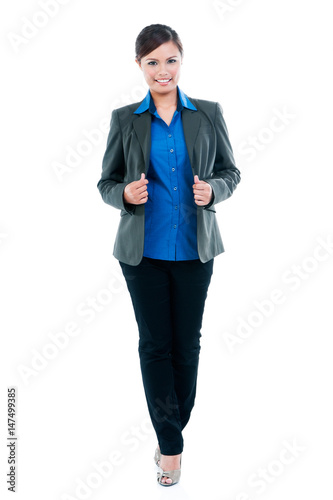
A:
(163, 83)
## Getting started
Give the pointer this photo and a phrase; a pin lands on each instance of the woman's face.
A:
(161, 68)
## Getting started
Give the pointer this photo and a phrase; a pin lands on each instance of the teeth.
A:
(164, 81)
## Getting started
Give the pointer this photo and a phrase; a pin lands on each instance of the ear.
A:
(138, 63)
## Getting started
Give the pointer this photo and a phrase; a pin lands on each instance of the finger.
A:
(142, 189)
(199, 198)
(143, 179)
(199, 192)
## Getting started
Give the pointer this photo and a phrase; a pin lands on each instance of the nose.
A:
(162, 71)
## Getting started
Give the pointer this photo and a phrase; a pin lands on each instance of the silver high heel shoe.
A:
(172, 474)
(157, 456)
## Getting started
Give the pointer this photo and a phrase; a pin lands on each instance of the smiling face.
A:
(161, 68)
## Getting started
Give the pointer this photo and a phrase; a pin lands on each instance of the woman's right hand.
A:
(136, 192)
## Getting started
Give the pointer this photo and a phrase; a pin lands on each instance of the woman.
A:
(168, 161)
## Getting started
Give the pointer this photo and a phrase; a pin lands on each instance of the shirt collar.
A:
(148, 103)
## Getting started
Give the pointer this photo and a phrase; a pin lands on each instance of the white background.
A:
(56, 240)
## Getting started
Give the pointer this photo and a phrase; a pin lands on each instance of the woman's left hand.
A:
(202, 191)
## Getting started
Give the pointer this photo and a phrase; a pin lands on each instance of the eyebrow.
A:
(152, 59)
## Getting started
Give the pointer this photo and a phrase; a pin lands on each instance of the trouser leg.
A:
(149, 288)
(189, 287)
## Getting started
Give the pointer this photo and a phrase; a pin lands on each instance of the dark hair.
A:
(152, 37)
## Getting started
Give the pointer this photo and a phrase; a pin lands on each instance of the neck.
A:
(165, 100)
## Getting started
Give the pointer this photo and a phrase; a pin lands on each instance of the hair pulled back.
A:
(152, 37)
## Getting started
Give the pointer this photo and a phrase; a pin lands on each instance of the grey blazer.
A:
(127, 156)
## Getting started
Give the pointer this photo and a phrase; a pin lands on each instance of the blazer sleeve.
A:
(225, 176)
(111, 184)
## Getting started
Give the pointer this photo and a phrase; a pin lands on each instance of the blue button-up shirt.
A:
(170, 211)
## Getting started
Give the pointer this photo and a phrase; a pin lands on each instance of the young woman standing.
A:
(168, 161)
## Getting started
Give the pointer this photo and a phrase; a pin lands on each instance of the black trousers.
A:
(168, 298)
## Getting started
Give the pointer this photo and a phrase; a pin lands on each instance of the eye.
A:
(172, 60)
(152, 63)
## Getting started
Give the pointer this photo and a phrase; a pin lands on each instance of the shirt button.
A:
(173, 169)
(175, 226)
(170, 135)
(176, 207)
(175, 188)
(171, 150)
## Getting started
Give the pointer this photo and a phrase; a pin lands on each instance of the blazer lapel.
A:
(191, 123)
(142, 126)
